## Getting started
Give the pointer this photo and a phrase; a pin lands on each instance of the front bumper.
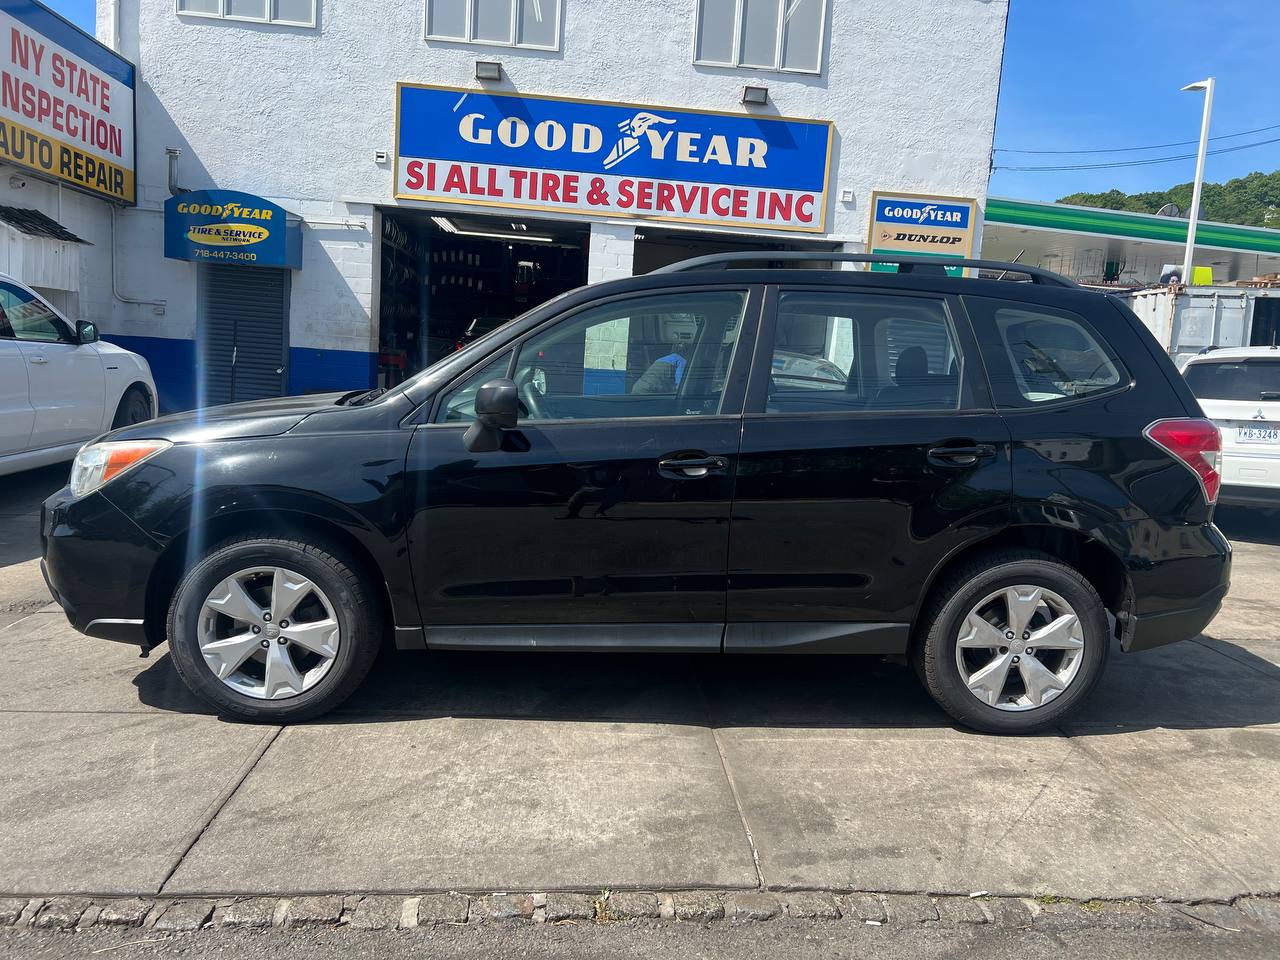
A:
(97, 563)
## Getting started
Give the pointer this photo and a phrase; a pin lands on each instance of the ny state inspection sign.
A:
(66, 103)
(610, 159)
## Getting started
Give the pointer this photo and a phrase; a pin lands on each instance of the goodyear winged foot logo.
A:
(632, 130)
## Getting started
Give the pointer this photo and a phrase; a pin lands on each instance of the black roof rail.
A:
(914, 264)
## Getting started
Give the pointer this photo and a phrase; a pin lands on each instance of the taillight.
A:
(1195, 443)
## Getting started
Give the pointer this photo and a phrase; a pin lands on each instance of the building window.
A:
(765, 34)
(506, 23)
(295, 13)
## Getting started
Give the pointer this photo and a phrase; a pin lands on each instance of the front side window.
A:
(844, 351)
(24, 316)
(1250, 380)
(459, 404)
(1049, 354)
(292, 12)
(655, 356)
(767, 34)
(508, 23)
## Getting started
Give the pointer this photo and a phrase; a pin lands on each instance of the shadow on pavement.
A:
(20, 497)
(1188, 686)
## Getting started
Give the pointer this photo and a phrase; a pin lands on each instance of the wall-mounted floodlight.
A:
(755, 96)
(488, 70)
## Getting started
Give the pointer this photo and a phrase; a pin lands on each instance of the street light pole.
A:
(1188, 260)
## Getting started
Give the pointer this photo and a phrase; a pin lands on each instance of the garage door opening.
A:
(447, 279)
(657, 247)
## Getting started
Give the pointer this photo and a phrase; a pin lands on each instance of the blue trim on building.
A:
(315, 370)
(173, 365)
(311, 370)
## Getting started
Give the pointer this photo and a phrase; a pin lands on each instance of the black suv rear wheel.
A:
(1014, 642)
(273, 630)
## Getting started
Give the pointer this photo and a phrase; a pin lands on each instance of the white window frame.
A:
(777, 49)
(223, 15)
(468, 27)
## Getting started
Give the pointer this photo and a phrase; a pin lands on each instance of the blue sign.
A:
(923, 213)
(611, 159)
(225, 226)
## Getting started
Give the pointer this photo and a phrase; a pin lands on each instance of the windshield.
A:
(1235, 379)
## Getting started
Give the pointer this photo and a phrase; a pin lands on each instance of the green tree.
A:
(1253, 200)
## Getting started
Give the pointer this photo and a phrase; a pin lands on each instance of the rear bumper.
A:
(96, 563)
(1180, 576)
(1171, 626)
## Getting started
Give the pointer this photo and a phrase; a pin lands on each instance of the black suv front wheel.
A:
(273, 630)
(1014, 642)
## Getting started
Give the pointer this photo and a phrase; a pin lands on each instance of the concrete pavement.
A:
(486, 772)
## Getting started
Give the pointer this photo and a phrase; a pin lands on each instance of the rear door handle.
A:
(691, 467)
(39, 359)
(961, 456)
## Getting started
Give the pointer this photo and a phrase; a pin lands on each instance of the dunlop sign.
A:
(225, 226)
(610, 159)
(66, 103)
(921, 226)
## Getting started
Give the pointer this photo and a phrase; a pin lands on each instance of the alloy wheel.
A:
(1020, 647)
(268, 633)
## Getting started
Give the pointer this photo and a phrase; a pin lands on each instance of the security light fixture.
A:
(755, 96)
(488, 70)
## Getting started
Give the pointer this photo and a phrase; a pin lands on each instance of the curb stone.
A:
(1244, 916)
(61, 913)
(10, 911)
(123, 913)
(813, 906)
(750, 905)
(313, 911)
(910, 908)
(864, 907)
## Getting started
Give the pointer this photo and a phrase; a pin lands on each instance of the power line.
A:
(1138, 163)
(1153, 146)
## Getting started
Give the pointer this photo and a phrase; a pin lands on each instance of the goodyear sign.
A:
(66, 103)
(921, 226)
(226, 226)
(610, 159)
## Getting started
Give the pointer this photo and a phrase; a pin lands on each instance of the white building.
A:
(295, 101)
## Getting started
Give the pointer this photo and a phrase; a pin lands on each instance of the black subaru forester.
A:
(990, 477)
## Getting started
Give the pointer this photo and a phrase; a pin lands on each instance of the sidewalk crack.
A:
(733, 785)
(215, 807)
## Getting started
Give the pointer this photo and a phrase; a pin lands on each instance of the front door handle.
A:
(691, 466)
(39, 359)
(965, 455)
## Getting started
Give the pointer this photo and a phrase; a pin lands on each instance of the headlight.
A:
(97, 463)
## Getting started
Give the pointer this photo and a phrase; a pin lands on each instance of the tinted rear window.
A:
(1235, 379)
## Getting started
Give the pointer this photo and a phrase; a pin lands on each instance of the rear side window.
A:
(1250, 380)
(1043, 354)
(850, 351)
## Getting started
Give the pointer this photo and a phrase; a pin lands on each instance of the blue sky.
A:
(1086, 74)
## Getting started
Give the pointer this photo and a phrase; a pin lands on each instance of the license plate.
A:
(1262, 434)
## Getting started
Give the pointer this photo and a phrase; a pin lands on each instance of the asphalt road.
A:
(554, 772)
(639, 941)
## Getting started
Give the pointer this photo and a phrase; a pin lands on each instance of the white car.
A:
(60, 385)
(1239, 389)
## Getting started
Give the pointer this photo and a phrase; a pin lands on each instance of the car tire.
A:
(950, 642)
(134, 407)
(343, 596)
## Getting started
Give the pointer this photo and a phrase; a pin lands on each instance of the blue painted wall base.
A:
(311, 370)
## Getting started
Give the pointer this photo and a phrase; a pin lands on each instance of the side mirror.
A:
(86, 331)
(497, 409)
